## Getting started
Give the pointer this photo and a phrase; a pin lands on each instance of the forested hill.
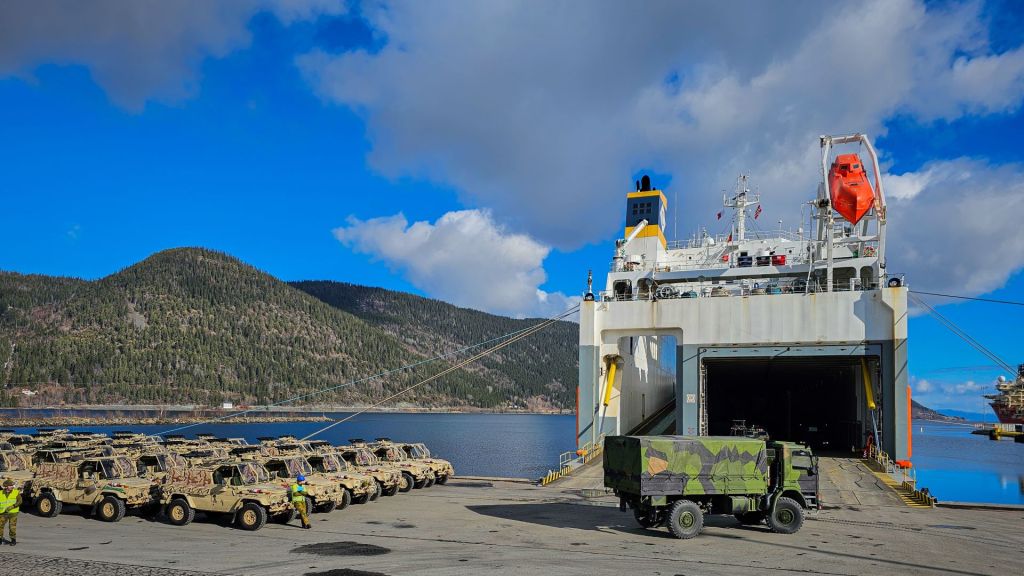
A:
(196, 326)
(542, 366)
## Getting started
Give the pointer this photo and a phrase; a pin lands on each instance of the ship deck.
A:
(495, 526)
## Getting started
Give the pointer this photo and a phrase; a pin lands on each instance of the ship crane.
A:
(620, 246)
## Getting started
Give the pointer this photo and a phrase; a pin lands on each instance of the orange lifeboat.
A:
(852, 195)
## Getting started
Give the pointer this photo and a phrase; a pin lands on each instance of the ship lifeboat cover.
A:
(852, 195)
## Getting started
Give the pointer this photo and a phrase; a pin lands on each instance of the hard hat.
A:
(300, 478)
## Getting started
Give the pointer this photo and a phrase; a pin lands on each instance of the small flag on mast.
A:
(719, 216)
(757, 212)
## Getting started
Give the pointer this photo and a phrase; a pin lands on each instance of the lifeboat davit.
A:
(852, 194)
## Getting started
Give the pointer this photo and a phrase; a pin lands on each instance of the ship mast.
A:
(739, 202)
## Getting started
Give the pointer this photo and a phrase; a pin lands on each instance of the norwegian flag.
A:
(730, 238)
(719, 216)
(757, 212)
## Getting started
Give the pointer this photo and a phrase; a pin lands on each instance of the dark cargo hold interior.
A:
(806, 399)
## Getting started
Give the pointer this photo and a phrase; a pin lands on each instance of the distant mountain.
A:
(195, 326)
(921, 412)
(971, 416)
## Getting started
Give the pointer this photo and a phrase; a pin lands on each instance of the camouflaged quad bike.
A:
(676, 480)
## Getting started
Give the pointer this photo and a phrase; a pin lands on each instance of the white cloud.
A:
(463, 258)
(923, 386)
(956, 227)
(968, 387)
(542, 112)
(137, 50)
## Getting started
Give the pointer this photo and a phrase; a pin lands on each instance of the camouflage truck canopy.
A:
(685, 465)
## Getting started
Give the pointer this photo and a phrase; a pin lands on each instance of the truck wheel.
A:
(751, 518)
(407, 482)
(111, 509)
(325, 507)
(377, 491)
(787, 517)
(179, 512)
(310, 505)
(252, 516)
(686, 519)
(48, 506)
(648, 518)
(391, 491)
(430, 481)
(285, 517)
(442, 479)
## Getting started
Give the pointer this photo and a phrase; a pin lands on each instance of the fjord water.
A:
(954, 464)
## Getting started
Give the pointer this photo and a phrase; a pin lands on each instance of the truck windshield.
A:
(802, 462)
(261, 473)
(419, 451)
(331, 463)
(366, 458)
(247, 473)
(298, 466)
(117, 468)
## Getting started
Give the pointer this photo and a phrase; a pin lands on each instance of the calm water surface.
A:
(951, 462)
(510, 445)
(959, 466)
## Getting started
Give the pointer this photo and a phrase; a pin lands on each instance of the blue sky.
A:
(286, 136)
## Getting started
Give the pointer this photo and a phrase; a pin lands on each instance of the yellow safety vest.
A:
(298, 493)
(9, 502)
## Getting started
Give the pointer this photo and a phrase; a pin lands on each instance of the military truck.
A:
(676, 480)
(362, 488)
(18, 467)
(420, 474)
(389, 477)
(157, 465)
(237, 491)
(323, 493)
(104, 486)
(443, 469)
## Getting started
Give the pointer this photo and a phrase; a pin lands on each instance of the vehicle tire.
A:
(787, 517)
(406, 483)
(420, 484)
(111, 509)
(285, 517)
(430, 481)
(325, 507)
(649, 518)
(179, 513)
(391, 491)
(252, 517)
(685, 520)
(442, 479)
(377, 491)
(48, 506)
(751, 518)
(310, 506)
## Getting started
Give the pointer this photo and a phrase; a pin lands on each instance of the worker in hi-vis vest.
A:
(298, 491)
(10, 504)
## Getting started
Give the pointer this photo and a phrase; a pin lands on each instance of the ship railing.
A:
(569, 461)
(725, 239)
(745, 287)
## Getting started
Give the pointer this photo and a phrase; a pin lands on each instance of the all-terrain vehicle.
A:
(158, 464)
(388, 476)
(421, 475)
(361, 487)
(18, 467)
(104, 486)
(238, 492)
(443, 469)
(676, 480)
(323, 493)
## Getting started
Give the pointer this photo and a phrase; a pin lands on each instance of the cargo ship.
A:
(801, 331)
(1008, 404)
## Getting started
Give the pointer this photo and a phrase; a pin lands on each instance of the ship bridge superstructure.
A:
(800, 331)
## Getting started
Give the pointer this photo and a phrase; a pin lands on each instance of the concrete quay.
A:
(473, 526)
